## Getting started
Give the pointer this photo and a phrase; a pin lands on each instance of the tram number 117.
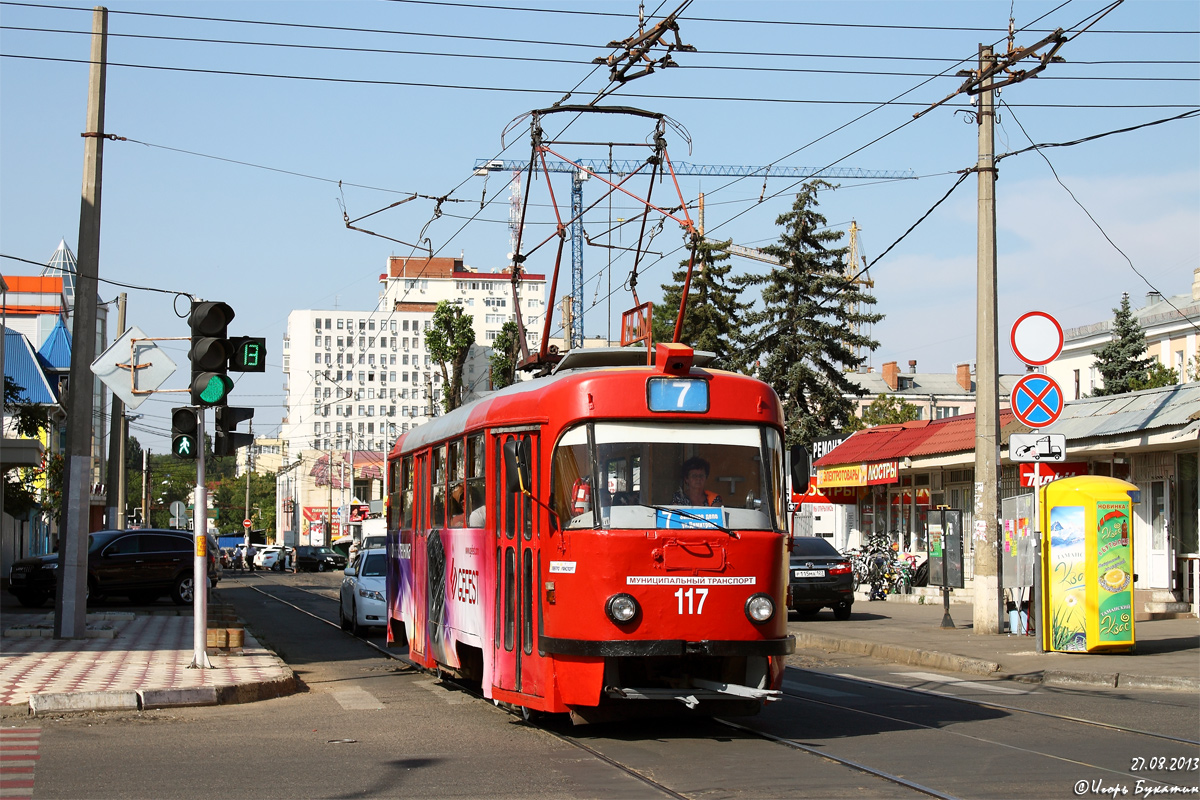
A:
(695, 600)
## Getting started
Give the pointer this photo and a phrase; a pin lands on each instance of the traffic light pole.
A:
(200, 562)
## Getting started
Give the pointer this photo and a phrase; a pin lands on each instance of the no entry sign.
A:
(1036, 400)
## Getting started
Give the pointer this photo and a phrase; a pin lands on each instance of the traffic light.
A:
(210, 352)
(184, 441)
(249, 354)
(228, 440)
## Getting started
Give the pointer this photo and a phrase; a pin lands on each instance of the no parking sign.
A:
(1037, 401)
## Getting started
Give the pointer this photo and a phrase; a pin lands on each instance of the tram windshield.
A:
(635, 474)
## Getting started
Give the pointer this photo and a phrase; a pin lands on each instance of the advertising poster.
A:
(1114, 570)
(1067, 584)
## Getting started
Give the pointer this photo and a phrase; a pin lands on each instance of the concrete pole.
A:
(116, 445)
(988, 600)
(70, 602)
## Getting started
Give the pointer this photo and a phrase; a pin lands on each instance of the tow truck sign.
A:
(1032, 447)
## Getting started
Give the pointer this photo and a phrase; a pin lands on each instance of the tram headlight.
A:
(621, 608)
(760, 608)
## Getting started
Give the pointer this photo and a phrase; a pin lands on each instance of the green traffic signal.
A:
(184, 425)
(210, 388)
(184, 446)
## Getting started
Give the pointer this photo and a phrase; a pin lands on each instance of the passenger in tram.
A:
(457, 510)
(692, 492)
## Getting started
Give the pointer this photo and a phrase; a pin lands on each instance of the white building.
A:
(357, 379)
(1171, 339)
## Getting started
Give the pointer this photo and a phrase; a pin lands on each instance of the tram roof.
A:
(571, 369)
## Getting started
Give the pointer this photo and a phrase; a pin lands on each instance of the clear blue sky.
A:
(404, 96)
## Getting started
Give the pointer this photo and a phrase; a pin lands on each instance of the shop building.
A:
(887, 479)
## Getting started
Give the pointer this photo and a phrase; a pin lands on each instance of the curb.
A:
(899, 653)
(148, 699)
(950, 662)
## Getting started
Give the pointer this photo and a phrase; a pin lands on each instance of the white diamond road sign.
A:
(133, 367)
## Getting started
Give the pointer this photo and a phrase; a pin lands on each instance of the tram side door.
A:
(517, 537)
(420, 527)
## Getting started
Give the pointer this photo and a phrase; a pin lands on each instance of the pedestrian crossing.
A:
(18, 757)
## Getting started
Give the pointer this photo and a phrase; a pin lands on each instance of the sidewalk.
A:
(128, 662)
(1166, 657)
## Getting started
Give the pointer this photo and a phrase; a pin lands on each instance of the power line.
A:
(542, 60)
(527, 90)
(1099, 227)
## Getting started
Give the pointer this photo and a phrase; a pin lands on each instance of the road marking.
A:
(821, 691)
(441, 692)
(18, 756)
(987, 687)
(356, 699)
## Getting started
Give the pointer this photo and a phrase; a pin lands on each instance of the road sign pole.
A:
(200, 562)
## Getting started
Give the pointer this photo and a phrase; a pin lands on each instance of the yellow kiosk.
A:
(1087, 565)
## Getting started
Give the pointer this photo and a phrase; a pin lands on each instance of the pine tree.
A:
(1123, 362)
(806, 335)
(713, 308)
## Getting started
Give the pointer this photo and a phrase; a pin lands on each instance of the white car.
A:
(364, 591)
(269, 558)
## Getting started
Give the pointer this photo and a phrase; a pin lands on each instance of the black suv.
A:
(142, 565)
(320, 559)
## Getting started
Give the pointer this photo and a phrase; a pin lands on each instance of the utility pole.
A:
(988, 595)
(985, 536)
(200, 559)
(116, 445)
(70, 602)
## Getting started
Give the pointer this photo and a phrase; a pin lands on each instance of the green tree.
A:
(1122, 362)
(21, 494)
(713, 309)
(449, 342)
(805, 337)
(1157, 375)
(884, 410)
(505, 351)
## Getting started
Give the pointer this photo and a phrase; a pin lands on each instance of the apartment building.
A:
(1170, 327)
(358, 379)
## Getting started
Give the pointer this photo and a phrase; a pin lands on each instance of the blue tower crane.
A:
(603, 166)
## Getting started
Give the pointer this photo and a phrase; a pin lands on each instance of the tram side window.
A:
(438, 480)
(406, 496)
(456, 502)
(395, 498)
(476, 472)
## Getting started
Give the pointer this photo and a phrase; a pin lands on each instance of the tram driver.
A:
(691, 491)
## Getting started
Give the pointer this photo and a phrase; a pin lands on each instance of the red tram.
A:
(543, 546)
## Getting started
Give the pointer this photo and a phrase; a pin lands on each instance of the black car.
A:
(819, 577)
(142, 565)
(319, 559)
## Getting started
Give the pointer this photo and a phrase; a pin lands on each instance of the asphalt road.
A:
(366, 725)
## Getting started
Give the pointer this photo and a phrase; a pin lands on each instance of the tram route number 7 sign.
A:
(1037, 400)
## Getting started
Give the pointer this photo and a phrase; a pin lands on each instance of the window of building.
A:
(942, 412)
(370, 324)
(1076, 374)
(339, 328)
(317, 343)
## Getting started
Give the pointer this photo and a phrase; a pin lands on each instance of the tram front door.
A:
(517, 568)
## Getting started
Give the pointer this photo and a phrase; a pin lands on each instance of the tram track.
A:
(994, 705)
(792, 697)
(986, 741)
(574, 742)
